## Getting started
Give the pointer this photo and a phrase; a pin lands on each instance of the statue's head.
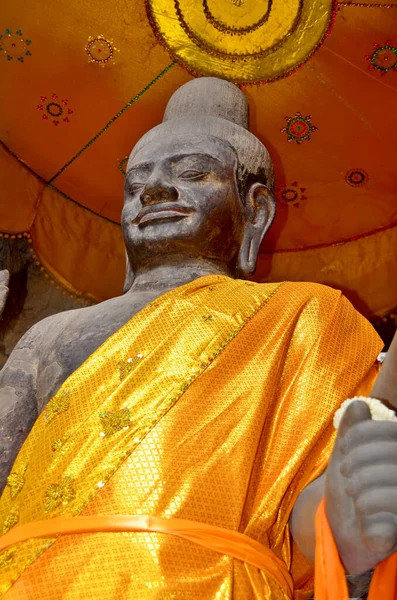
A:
(199, 184)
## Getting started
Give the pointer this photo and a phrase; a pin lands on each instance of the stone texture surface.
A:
(31, 297)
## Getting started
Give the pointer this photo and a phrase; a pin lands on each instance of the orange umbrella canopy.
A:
(82, 81)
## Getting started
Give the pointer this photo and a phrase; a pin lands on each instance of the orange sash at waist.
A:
(232, 543)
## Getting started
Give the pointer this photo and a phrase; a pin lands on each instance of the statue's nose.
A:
(153, 194)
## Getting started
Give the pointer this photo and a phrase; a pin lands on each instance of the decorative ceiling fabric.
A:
(83, 81)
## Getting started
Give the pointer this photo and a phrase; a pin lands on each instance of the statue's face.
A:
(181, 197)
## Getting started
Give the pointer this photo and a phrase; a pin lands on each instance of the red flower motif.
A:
(383, 59)
(291, 195)
(299, 128)
(54, 109)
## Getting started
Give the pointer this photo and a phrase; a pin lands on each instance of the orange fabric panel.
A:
(82, 250)
(20, 194)
(365, 269)
(59, 64)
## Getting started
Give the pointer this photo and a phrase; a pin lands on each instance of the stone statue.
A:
(208, 232)
(198, 202)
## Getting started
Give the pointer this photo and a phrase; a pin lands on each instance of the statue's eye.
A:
(135, 186)
(191, 174)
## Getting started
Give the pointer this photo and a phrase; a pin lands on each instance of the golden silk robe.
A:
(214, 404)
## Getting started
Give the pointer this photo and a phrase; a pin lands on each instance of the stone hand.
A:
(361, 489)
(4, 279)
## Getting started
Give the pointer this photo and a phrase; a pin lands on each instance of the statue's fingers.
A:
(381, 454)
(372, 477)
(379, 533)
(368, 432)
(378, 500)
(355, 413)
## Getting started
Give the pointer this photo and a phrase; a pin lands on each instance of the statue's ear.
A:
(260, 210)
(129, 275)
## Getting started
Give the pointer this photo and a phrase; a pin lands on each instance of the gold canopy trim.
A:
(241, 40)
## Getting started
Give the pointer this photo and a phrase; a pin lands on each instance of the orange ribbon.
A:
(330, 581)
(224, 541)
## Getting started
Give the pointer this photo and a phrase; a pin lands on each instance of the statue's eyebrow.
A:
(145, 166)
(177, 157)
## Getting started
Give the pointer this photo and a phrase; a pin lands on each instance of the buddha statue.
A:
(194, 412)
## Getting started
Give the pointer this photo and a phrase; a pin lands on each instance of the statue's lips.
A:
(162, 213)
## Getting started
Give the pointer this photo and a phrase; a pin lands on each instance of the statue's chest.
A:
(69, 349)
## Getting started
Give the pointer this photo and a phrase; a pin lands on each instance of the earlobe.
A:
(129, 275)
(260, 212)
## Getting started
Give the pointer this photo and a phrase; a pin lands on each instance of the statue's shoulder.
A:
(59, 320)
(68, 324)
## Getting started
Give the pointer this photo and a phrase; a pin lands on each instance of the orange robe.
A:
(213, 404)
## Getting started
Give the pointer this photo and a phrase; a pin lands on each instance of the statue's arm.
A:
(370, 448)
(18, 403)
(303, 532)
(302, 516)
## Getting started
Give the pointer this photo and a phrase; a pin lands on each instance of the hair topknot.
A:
(208, 105)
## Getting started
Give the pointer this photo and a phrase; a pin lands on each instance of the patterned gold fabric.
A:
(223, 416)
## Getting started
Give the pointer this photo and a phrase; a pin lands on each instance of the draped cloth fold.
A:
(213, 405)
